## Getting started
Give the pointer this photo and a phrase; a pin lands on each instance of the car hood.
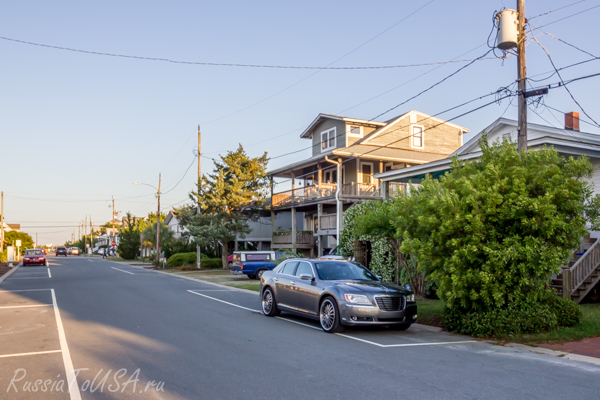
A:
(371, 287)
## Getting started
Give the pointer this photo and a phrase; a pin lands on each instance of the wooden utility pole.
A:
(158, 223)
(2, 222)
(522, 75)
(84, 233)
(91, 236)
(198, 253)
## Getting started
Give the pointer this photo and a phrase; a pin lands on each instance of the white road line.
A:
(49, 274)
(28, 306)
(127, 272)
(341, 334)
(223, 301)
(32, 277)
(90, 260)
(214, 290)
(30, 354)
(70, 371)
(22, 290)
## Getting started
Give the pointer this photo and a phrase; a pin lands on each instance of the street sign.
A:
(18, 243)
(113, 244)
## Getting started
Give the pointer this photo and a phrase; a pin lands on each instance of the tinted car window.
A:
(289, 268)
(333, 271)
(304, 268)
(34, 253)
(258, 257)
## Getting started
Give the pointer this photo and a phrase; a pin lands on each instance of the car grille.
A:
(391, 303)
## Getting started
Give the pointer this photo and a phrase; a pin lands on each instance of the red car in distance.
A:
(34, 257)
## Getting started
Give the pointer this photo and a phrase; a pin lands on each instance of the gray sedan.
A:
(336, 293)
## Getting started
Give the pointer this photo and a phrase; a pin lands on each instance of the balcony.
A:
(283, 240)
(304, 194)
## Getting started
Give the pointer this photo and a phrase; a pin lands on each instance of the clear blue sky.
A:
(76, 129)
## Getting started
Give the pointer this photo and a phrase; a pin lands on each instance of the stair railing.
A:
(573, 277)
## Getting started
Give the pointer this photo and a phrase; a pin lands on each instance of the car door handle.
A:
(275, 279)
(292, 283)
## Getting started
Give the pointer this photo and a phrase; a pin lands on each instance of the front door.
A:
(304, 294)
(283, 282)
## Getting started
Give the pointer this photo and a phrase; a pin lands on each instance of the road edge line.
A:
(66, 355)
(554, 353)
(226, 302)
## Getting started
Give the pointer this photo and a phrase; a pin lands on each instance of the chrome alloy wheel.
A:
(267, 302)
(327, 315)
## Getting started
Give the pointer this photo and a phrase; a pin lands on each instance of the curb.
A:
(191, 279)
(555, 353)
(9, 273)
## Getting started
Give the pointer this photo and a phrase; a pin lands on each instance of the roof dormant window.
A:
(328, 139)
(355, 131)
(417, 139)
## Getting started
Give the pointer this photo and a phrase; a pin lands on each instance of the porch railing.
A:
(302, 237)
(360, 189)
(304, 194)
(328, 222)
(574, 276)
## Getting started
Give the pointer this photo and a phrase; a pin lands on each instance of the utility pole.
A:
(36, 240)
(522, 75)
(2, 222)
(84, 233)
(158, 223)
(91, 235)
(198, 255)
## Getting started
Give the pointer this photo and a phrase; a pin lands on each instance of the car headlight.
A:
(357, 299)
(410, 298)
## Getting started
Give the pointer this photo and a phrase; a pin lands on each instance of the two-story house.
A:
(346, 153)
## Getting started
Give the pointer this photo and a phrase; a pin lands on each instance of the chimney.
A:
(572, 121)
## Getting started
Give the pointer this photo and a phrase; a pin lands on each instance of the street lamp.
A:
(157, 216)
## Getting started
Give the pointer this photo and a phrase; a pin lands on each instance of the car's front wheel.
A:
(269, 304)
(329, 316)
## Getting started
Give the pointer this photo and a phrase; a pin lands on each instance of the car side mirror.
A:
(379, 277)
(306, 277)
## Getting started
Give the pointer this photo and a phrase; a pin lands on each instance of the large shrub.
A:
(179, 259)
(491, 232)
(382, 257)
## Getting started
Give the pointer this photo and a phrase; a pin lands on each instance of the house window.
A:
(417, 137)
(388, 167)
(355, 131)
(330, 176)
(366, 172)
(328, 139)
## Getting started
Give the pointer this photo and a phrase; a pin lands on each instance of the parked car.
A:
(74, 251)
(61, 251)
(336, 293)
(34, 257)
(334, 254)
(253, 263)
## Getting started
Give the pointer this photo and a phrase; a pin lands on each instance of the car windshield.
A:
(343, 270)
(34, 253)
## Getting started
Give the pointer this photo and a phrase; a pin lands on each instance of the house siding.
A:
(340, 140)
(438, 139)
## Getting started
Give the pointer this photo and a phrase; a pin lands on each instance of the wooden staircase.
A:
(582, 273)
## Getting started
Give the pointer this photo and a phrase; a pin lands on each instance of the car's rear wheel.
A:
(399, 327)
(259, 273)
(329, 316)
(269, 304)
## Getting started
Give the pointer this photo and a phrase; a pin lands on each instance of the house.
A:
(172, 223)
(576, 280)
(346, 155)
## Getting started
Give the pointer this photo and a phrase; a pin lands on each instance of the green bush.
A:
(500, 322)
(567, 312)
(212, 263)
(3, 256)
(179, 259)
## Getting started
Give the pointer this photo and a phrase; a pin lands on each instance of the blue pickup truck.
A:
(253, 263)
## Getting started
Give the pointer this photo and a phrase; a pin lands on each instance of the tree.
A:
(227, 198)
(149, 233)
(26, 240)
(129, 238)
(491, 232)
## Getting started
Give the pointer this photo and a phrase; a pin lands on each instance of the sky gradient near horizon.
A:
(77, 129)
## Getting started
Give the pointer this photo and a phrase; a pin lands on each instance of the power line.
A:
(565, 84)
(184, 174)
(567, 17)
(434, 85)
(560, 8)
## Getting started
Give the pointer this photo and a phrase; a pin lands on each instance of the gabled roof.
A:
(321, 117)
(396, 120)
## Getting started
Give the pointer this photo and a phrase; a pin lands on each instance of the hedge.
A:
(180, 259)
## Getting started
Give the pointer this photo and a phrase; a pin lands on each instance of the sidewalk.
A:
(585, 347)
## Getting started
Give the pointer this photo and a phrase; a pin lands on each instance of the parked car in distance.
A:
(34, 257)
(334, 254)
(74, 251)
(61, 251)
(336, 293)
(253, 263)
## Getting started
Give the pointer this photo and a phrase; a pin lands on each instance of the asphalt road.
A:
(172, 338)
